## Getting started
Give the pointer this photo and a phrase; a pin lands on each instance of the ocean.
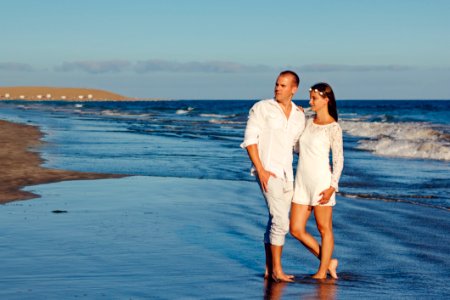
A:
(391, 217)
(394, 150)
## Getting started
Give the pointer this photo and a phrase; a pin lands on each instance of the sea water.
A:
(191, 225)
(394, 150)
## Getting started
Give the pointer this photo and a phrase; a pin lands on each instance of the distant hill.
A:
(57, 93)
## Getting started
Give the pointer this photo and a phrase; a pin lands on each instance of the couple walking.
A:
(274, 129)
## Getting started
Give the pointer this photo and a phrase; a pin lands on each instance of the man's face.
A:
(285, 88)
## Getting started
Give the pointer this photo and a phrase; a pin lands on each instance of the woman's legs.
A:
(299, 217)
(324, 221)
(297, 226)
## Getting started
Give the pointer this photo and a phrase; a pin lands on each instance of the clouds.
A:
(354, 68)
(208, 67)
(94, 67)
(155, 65)
(15, 67)
(158, 65)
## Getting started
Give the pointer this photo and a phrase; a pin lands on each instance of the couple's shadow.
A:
(318, 288)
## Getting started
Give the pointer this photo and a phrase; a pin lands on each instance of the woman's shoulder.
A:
(338, 127)
(332, 124)
(335, 125)
(335, 129)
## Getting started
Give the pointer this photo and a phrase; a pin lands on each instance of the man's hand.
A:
(263, 174)
(264, 177)
(326, 195)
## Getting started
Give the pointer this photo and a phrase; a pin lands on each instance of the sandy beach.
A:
(21, 166)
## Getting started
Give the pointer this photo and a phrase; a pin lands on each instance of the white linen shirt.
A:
(275, 135)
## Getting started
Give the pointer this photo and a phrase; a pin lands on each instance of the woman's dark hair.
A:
(325, 90)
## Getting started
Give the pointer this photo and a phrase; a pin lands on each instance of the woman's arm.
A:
(337, 149)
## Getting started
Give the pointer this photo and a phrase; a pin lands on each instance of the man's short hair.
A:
(293, 74)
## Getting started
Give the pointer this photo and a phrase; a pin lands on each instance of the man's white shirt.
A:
(275, 135)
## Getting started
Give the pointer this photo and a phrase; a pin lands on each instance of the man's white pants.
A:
(278, 199)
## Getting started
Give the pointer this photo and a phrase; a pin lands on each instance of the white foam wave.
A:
(112, 113)
(184, 111)
(412, 139)
(351, 116)
(215, 121)
(216, 116)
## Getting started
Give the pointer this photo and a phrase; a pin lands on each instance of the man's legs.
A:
(278, 199)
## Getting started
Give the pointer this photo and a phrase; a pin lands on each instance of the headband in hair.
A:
(317, 91)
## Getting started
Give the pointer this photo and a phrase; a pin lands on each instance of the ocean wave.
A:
(217, 116)
(215, 121)
(409, 139)
(113, 113)
(397, 198)
(184, 111)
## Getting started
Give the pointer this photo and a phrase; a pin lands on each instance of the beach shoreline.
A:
(22, 166)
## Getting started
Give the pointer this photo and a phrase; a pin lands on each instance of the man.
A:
(273, 128)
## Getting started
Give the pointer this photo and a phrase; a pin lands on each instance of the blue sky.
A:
(377, 49)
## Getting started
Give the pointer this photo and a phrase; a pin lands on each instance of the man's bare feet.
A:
(281, 277)
(333, 267)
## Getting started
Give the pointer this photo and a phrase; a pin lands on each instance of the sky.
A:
(234, 49)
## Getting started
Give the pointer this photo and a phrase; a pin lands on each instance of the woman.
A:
(315, 182)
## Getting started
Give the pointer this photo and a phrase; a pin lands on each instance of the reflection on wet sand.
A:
(324, 288)
(273, 290)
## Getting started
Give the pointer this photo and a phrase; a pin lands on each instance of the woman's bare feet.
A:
(319, 276)
(333, 267)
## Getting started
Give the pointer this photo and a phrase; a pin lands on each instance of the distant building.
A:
(89, 96)
(22, 97)
(6, 95)
(39, 96)
(49, 96)
(80, 97)
(63, 97)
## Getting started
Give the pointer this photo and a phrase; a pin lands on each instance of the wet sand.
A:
(145, 237)
(21, 166)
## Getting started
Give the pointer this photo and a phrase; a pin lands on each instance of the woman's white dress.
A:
(314, 174)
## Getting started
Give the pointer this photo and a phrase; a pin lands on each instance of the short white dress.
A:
(314, 174)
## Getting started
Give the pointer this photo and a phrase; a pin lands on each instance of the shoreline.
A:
(21, 166)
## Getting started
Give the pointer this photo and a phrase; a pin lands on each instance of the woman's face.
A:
(317, 101)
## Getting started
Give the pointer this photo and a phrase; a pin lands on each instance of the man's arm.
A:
(262, 173)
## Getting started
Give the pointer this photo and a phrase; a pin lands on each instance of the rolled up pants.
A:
(278, 199)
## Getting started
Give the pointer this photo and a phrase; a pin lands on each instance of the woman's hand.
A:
(326, 195)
